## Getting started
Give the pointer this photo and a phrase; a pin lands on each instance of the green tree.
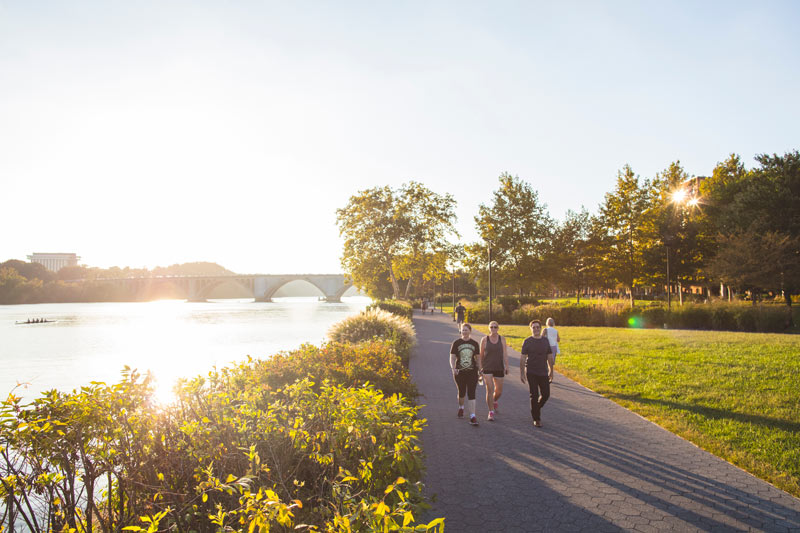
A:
(400, 233)
(764, 202)
(572, 252)
(518, 227)
(675, 234)
(624, 215)
(429, 224)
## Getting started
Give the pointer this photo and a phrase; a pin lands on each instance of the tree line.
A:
(24, 283)
(733, 232)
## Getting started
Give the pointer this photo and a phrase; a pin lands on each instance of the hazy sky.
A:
(150, 133)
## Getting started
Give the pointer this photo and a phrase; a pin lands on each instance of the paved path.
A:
(594, 466)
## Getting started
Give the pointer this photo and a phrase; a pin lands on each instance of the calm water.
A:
(93, 342)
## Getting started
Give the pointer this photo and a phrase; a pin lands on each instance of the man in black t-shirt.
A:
(465, 366)
(459, 311)
(534, 369)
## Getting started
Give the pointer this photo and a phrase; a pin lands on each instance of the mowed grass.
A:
(736, 395)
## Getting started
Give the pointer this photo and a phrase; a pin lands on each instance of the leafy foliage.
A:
(397, 307)
(243, 448)
(519, 229)
(377, 323)
(396, 233)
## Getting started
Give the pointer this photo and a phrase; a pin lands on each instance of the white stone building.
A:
(54, 262)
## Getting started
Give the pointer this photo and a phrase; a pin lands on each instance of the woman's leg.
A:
(472, 384)
(488, 379)
(498, 388)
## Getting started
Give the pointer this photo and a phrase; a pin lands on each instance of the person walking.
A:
(494, 365)
(460, 310)
(465, 365)
(533, 369)
(553, 338)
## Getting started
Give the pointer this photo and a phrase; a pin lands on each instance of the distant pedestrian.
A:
(533, 370)
(494, 365)
(464, 363)
(553, 338)
(459, 311)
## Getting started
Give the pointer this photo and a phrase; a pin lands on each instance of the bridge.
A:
(262, 287)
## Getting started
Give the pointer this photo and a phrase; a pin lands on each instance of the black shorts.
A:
(496, 373)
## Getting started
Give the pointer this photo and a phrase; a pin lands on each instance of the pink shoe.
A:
(490, 418)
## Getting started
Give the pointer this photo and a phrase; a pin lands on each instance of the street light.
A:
(490, 281)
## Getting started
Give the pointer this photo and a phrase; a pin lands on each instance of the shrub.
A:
(746, 318)
(654, 317)
(397, 307)
(723, 317)
(374, 361)
(373, 323)
(691, 316)
(512, 303)
(232, 453)
(478, 313)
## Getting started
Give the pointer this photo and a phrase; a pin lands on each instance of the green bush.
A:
(717, 316)
(397, 307)
(478, 313)
(374, 361)
(654, 317)
(376, 323)
(233, 453)
(512, 303)
(691, 316)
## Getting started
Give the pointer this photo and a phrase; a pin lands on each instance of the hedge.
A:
(716, 316)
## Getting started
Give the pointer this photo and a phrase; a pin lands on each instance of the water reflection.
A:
(171, 338)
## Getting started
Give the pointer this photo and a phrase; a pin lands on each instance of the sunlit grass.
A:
(733, 394)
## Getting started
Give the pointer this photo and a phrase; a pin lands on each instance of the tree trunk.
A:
(395, 286)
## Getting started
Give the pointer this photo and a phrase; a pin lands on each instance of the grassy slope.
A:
(736, 395)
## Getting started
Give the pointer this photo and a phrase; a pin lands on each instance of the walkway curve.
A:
(594, 466)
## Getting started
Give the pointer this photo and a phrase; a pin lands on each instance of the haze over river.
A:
(172, 338)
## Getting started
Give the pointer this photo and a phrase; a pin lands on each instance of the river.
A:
(171, 338)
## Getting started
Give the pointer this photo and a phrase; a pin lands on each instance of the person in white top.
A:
(554, 338)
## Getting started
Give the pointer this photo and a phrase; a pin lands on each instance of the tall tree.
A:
(676, 229)
(518, 227)
(396, 233)
(763, 202)
(624, 215)
(571, 253)
(430, 227)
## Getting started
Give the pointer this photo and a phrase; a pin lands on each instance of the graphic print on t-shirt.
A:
(465, 354)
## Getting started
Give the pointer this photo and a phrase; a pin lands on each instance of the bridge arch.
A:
(331, 286)
(208, 285)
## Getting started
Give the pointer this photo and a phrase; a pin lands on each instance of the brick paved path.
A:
(594, 466)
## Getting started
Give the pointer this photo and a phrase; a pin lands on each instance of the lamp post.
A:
(454, 292)
(490, 282)
(669, 289)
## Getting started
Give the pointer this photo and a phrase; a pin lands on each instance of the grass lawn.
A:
(736, 395)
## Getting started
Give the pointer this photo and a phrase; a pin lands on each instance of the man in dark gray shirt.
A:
(533, 369)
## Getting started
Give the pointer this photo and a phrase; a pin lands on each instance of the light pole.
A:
(454, 292)
(490, 282)
(669, 289)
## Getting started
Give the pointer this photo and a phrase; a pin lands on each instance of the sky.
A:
(151, 133)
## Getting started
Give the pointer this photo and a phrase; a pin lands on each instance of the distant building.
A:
(54, 262)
